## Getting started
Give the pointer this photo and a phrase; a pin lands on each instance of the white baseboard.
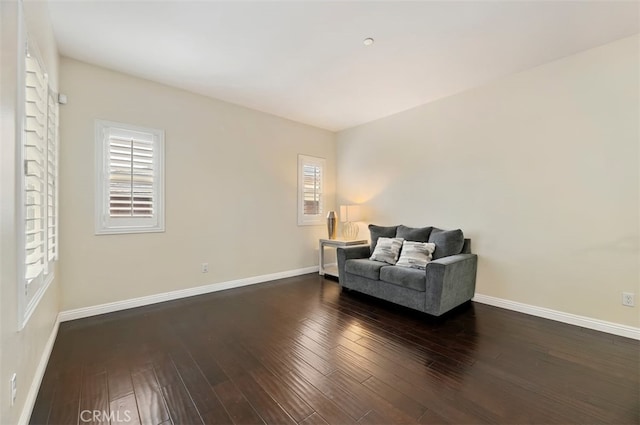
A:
(559, 316)
(30, 401)
(95, 310)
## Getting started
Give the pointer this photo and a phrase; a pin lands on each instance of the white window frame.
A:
(32, 289)
(311, 219)
(104, 223)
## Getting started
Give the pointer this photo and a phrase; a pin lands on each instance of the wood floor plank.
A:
(119, 383)
(429, 417)
(151, 405)
(216, 415)
(280, 392)
(95, 398)
(44, 400)
(233, 359)
(316, 361)
(124, 410)
(382, 407)
(271, 360)
(395, 397)
(68, 385)
(349, 402)
(196, 384)
(374, 418)
(314, 419)
(268, 409)
(235, 403)
(166, 372)
(330, 411)
(209, 367)
(64, 413)
(181, 407)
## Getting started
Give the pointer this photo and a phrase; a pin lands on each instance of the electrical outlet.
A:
(205, 268)
(14, 388)
(628, 299)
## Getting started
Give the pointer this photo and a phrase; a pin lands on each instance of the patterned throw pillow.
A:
(387, 250)
(416, 255)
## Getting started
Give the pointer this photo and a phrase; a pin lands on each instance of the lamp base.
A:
(331, 224)
(350, 230)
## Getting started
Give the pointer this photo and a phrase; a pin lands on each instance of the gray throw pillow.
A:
(415, 255)
(380, 232)
(387, 250)
(415, 234)
(448, 242)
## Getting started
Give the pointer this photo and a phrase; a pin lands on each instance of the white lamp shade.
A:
(349, 213)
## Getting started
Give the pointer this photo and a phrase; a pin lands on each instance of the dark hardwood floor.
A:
(299, 351)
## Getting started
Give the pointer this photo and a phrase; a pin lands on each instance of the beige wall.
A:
(540, 169)
(231, 190)
(20, 351)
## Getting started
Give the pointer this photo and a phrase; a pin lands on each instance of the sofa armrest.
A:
(451, 281)
(345, 253)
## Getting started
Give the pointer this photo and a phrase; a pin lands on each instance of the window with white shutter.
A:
(310, 190)
(129, 178)
(39, 154)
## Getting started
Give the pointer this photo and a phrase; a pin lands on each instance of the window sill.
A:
(128, 230)
(35, 301)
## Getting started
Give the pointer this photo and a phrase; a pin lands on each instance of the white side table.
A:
(333, 270)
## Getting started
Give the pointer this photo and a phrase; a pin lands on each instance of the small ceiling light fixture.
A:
(368, 41)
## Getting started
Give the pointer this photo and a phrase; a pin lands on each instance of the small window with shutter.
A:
(129, 178)
(311, 172)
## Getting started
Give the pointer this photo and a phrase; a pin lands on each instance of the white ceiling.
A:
(305, 60)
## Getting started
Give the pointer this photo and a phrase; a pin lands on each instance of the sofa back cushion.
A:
(380, 232)
(415, 234)
(448, 242)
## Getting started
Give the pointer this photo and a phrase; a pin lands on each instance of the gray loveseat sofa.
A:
(448, 281)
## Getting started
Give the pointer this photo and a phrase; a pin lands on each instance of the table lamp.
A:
(349, 214)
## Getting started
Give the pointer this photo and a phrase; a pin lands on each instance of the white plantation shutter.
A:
(310, 190)
(35, 167)
(52, 177)
(130, 183)
(312, 175)
(39, 183)
(130, 177)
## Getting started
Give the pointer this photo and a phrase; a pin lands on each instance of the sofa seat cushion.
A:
(409, 278)
(364, 267)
